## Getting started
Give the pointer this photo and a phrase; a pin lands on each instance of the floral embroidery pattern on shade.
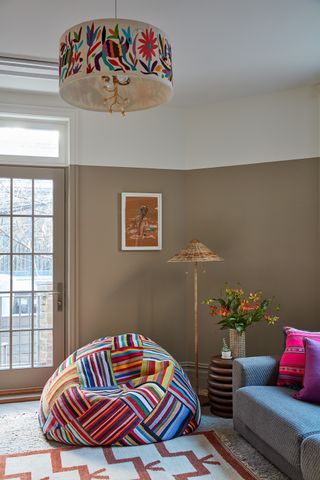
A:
(148, 45)
(120, 48)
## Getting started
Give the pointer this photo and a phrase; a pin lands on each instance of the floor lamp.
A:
(196, 252)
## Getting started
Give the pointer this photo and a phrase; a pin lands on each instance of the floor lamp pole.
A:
(195, 252)
(196, 339)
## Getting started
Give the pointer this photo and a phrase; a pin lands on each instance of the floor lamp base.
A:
(203, 398)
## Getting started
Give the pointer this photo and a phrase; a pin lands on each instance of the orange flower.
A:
(224, 312)
(214, 310)
(246, 307)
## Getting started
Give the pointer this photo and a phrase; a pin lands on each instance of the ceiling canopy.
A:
(222, 48)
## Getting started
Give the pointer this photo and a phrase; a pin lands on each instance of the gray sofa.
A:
(283, 429)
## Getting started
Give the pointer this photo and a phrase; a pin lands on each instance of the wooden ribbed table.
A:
(220, 387)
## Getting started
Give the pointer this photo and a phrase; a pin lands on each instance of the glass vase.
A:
(237, 343)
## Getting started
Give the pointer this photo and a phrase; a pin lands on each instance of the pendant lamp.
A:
(115, 65)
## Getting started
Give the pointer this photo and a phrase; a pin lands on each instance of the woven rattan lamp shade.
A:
(196, 251)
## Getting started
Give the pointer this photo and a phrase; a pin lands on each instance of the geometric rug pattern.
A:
(122, 390)
(200, 456)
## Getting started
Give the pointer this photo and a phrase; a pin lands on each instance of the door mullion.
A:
(32, 279)
(11, 277)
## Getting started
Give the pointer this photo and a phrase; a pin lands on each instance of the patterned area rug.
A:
(200, 455)
(20, 432)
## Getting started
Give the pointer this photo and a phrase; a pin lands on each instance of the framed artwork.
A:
(141, 221)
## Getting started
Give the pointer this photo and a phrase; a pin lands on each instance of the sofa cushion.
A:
(310, 458)
(278, 418)
(291, 368)
(311, 380)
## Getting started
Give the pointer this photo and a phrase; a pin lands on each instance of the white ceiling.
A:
(222, 48)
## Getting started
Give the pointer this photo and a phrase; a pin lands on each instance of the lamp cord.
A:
(115, 9)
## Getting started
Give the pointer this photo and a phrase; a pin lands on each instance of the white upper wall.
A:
(149, 139)
(153, 138)
(265, 128)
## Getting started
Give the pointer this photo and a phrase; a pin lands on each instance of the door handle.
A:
(60, 295)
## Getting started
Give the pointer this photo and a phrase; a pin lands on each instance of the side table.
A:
(220, 386)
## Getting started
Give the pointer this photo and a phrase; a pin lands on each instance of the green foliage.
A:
(225, 347)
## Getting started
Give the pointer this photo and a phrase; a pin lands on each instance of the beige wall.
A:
(262, 219)
(130, 291)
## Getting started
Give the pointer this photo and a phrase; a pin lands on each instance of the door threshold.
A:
(20, 395)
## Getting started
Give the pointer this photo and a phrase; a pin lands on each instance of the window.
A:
(26, 270)
(33, 140)
(30, 142)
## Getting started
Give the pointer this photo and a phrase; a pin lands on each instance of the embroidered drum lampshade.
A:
(115, 65)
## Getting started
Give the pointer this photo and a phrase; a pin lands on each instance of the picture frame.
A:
(141, 221)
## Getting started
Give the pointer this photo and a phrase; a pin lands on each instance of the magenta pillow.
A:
(311, 380)
(291, 368)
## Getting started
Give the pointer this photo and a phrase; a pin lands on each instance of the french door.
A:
(31, 275)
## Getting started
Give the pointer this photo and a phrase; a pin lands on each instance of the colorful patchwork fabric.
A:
(292, 363)
(123, 390)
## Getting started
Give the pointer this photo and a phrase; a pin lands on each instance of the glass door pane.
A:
(31, 266)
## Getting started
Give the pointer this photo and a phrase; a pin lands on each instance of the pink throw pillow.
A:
(291, 368)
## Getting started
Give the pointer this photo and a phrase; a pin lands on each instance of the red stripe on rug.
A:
(229, 456)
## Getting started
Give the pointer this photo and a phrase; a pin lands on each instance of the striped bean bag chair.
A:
(123, 390)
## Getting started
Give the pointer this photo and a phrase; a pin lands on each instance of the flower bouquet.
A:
(238, 312)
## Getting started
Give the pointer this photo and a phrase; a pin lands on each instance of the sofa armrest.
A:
(310, 457)
(255, 371)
